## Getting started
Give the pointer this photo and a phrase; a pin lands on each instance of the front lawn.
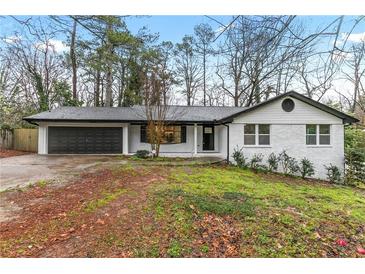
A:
(184, 211)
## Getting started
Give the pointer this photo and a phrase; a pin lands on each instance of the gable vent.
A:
(288, 105)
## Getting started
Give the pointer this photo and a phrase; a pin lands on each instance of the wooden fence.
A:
(6, 139)
(25, 139)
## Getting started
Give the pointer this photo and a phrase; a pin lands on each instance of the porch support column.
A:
(42, 139)
(195, 139)
(125, 139)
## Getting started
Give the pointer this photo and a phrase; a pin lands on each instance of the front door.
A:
(208, 137)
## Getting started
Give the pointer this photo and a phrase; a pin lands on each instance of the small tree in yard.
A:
(156, 112)
(157, 82)
(306, 168)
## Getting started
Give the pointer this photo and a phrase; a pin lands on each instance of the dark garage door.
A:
(84, 140)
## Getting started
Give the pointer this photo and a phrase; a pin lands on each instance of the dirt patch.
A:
(72, 220)
(5, 153)
(8, 210)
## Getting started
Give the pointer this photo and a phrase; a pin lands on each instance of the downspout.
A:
(227, 126)
(344, 145)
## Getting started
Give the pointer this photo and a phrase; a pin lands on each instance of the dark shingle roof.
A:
(134, 114)
(192, 114)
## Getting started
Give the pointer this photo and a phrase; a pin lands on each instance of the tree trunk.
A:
(121, 87)
(102, 101)
(109, 76)
(108, 88)
(73, 61)
(356, 87)
(204, 91)
(97, 89)
(236, 94)
(236, 101)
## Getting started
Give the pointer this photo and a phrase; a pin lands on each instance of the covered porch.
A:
(188, 140)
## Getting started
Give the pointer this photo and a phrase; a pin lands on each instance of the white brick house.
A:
(291, 122)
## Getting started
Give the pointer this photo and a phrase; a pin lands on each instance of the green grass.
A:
(106, 198)
(278, 217)
(315, 201)
(217, 204)
(42, 183)
(204, 248)
(160, 159)
(175, 249)
(199, 211)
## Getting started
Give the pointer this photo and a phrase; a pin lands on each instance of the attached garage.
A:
(85, 140)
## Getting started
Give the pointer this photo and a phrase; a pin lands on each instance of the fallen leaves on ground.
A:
(5, 153)
(112, 212)
(220, 234)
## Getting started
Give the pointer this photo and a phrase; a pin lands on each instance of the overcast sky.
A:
(173, 28)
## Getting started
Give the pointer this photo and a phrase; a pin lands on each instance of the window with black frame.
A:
(172, 134)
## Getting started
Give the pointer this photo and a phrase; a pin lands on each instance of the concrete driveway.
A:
(22, 170)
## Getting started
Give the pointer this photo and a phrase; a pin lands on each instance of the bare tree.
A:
(188, 69)
(65, 25)
(204, 37)
(37, 65)
(156, 107)
(355, 73)
(320, 68)
(73, 60)
(253, 51)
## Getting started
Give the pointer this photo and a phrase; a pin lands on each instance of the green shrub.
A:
(293, 166)
(273, 162)
(256, 160)
(306, 168)
(142, 153)
(355, 166)
(354, 156)
(284, 160)
(238, 157)
(354, 138)
(333, 174)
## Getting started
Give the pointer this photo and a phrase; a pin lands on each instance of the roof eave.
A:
(33, 120)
